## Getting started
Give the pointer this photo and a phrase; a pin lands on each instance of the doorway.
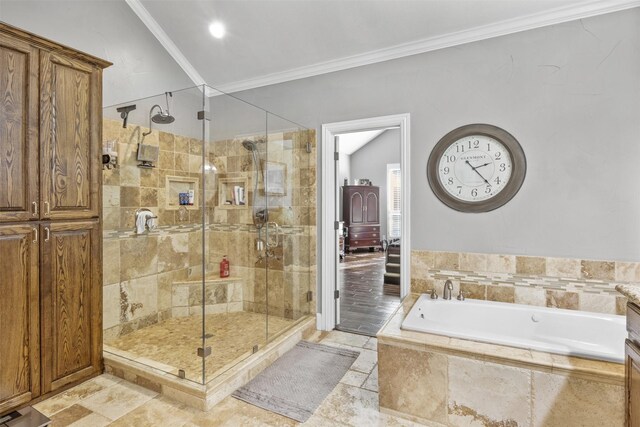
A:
(369, 214)
(365, 219)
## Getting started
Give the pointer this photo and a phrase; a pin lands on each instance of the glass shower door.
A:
(152, 223)
(290, 197)
(235, 298)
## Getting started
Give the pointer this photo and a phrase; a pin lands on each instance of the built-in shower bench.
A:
(221, 295)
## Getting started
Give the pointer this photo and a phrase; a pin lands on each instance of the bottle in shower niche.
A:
(224, 267)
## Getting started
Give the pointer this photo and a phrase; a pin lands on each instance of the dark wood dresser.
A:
(361, 215)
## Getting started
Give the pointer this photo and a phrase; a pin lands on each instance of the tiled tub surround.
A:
(453, 382)
(552, 282)
(221, 295)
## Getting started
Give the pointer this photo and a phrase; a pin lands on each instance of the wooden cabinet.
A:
(70, 132)
(632, 383)
(361, 215)
(71, 295)
(50, 231)
(632, 366)
(18, 130)
(19, 316)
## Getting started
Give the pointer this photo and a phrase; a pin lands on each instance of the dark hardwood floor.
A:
(363, 306)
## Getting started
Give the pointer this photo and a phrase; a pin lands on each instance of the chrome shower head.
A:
(249, 145)
(162, 118)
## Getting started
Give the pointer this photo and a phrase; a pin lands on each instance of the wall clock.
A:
(476, 168)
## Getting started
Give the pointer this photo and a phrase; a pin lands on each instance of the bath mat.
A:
(296, 383)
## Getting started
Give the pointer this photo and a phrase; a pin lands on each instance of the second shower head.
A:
(249, 145)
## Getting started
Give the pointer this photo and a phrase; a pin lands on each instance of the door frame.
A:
(326, 317)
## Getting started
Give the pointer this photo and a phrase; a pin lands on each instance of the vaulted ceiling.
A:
(269, 42)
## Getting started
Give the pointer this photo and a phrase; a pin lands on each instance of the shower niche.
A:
(169, 316)
(233, 193)
(182, 191)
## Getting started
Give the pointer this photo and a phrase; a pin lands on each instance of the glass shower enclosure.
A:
(196, 177)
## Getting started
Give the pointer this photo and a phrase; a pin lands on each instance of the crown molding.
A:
(167, 43)
(501, 28)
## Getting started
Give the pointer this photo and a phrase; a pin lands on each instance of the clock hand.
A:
(474, 169)
(478, 167)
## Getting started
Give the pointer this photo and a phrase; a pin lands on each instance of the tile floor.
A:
(364, 307)
(107, 400)
(171, 345)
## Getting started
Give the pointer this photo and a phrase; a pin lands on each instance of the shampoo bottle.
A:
(224, 267)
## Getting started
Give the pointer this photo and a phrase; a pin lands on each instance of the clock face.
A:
(475, 168)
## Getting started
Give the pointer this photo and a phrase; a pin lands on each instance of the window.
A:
(394, 214)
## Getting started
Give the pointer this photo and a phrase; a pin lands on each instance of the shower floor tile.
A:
(172, 344)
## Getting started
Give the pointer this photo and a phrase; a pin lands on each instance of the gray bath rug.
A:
(296, 383)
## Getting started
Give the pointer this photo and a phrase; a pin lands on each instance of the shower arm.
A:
(151, 121)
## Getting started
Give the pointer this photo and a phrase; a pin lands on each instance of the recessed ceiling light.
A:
(217, 29)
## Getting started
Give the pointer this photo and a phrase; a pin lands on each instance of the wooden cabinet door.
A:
(372, 207)
(71, 293)
(19, 325)
(356, 207)
(632, 386)
(18, 130)
(70, 117)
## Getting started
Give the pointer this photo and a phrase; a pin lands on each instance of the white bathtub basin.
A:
(567, 332)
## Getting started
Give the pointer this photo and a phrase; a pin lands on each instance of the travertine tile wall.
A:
(437, 387)
(440, 380)
(139, 270)
(283, 286)
(569, 283)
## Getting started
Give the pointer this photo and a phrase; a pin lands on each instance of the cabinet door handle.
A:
(35, 235)
(34, 208)
(47, 212)
(47, 234)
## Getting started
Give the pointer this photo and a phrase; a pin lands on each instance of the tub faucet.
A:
(448, 287)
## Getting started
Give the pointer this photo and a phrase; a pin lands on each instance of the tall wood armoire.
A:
(50, 226)
(361, 216)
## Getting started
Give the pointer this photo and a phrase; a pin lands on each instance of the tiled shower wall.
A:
(283, 287)
(139, 270)
(569, 283)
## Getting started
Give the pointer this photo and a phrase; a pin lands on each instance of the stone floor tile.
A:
(92, 420)
(69, 415)
(372, 344)
(233, 412)
(345, 338)
(172, 414)
(371, 382)
(354, 378)
(366, 361)
(118, 400)
(72, 396)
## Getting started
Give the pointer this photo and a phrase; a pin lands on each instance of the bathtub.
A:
(566, 332)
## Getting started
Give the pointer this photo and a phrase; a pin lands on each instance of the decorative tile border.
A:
(586, 285)
(189, 228)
